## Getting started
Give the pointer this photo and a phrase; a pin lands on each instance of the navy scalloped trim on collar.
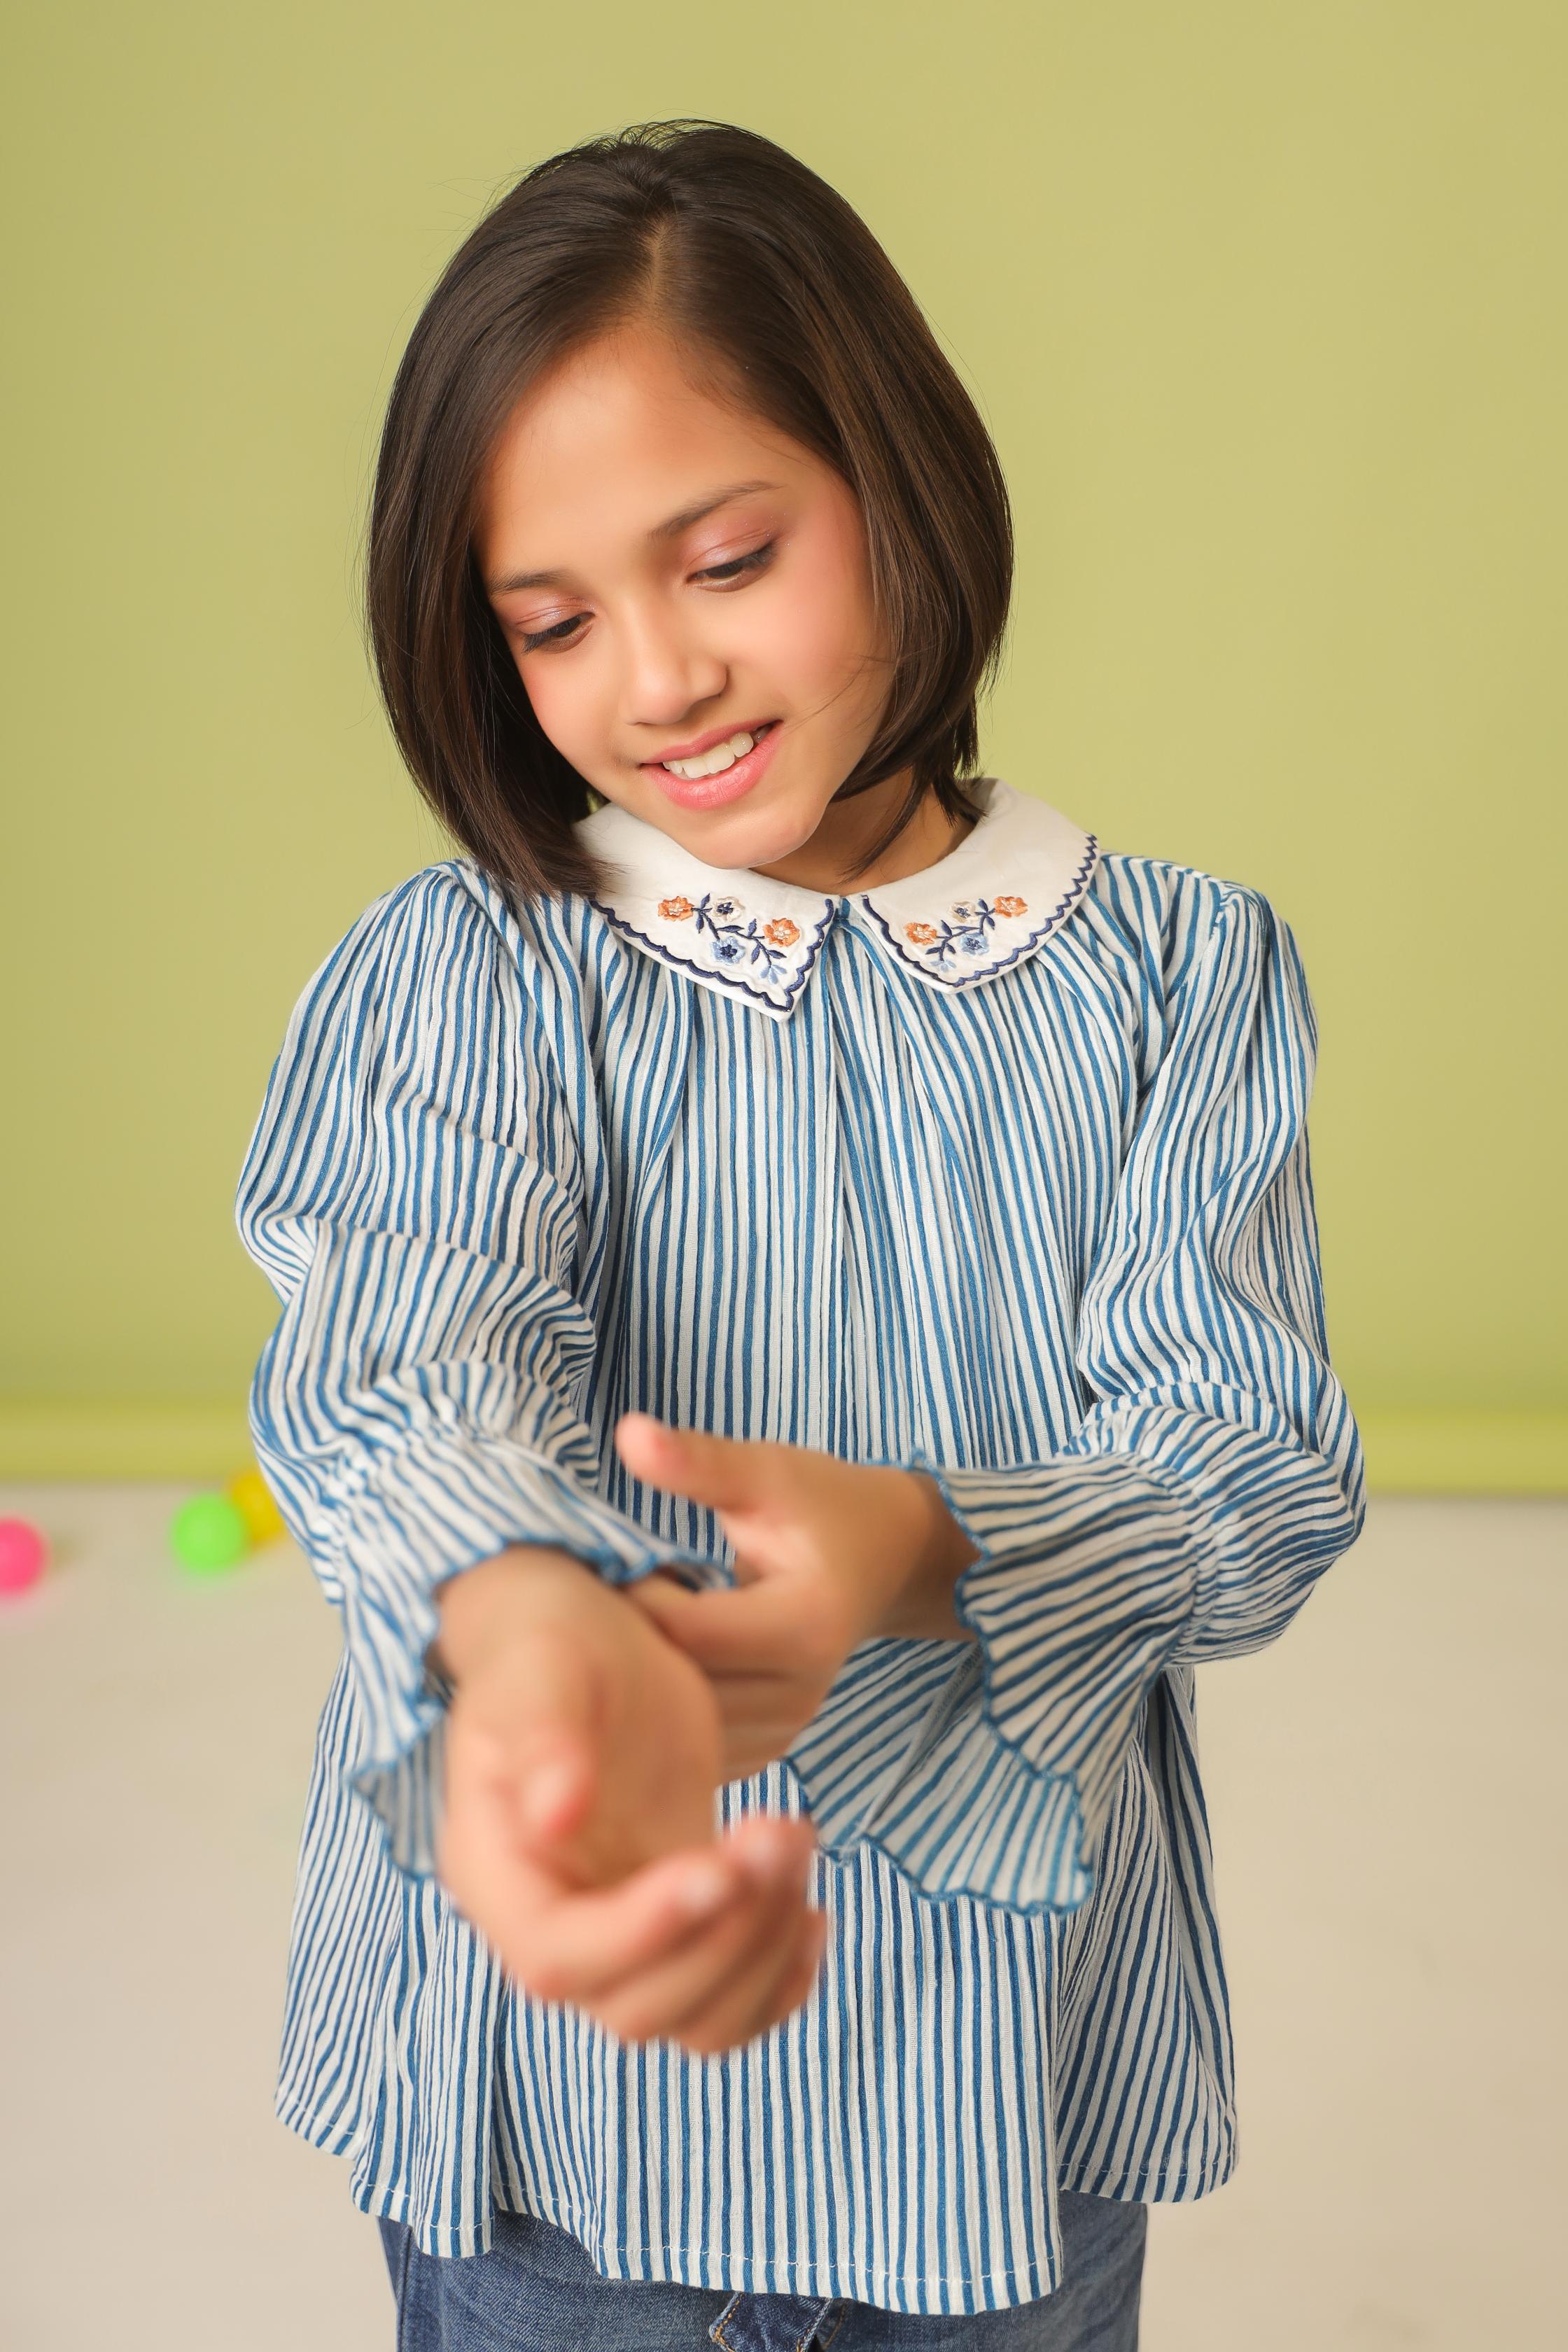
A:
(951, 923)
(733, 981)
(968, 932)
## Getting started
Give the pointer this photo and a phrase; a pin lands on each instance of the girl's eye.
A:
(737, 568)
(548, 636)
(752, 562)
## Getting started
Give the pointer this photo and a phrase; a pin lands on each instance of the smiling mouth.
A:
(719, 758)
(714, 787)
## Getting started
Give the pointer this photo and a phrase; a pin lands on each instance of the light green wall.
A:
(1265, 310)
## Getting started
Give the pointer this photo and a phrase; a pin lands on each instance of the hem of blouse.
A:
(1165, 2184)
(331, 2139)
(453, 2243)
(760, 2274)
(387, 2202)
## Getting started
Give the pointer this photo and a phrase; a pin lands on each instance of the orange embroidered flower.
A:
(1012, 906)
(922, 934)
(781, 932)
(675, 910)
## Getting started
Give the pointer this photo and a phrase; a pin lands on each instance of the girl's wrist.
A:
(937, 1551)
(479, 1605)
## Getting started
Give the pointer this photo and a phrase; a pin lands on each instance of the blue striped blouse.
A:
(1000, 1172)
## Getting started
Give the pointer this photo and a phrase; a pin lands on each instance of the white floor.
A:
(1386, 1784)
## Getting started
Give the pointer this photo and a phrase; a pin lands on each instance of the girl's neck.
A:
(825, 861)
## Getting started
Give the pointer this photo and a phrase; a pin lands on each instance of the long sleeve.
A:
(412, 1189)
(1215, 1476)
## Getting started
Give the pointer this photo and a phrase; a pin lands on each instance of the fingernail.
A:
(706, 1890)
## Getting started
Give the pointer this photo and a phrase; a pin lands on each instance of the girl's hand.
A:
(829, 1554)
(582, 1758)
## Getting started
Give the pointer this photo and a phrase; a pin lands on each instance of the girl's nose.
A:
(668, 675)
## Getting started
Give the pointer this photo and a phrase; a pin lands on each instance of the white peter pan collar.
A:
(1012, 880)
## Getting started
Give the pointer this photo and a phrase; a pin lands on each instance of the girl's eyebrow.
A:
(671, 528)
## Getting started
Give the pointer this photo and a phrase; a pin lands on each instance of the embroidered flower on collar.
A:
(718, 920)
(968, 933)
(1023, 869)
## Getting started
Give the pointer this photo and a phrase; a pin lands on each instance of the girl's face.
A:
(669, 573)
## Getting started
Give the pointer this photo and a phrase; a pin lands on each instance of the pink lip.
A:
(701, 743)
(712, 791)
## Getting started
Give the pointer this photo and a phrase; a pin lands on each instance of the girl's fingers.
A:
(726, 1631)
(735, 1964)
(568, 1944)
(544, 1742)
(651, 2003)
(563, 1942)
(585, 1948)
(806, 1973)
(551, 1789)
(790, 1983)
(762, 1995)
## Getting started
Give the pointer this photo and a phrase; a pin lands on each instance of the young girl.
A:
(775, 1156)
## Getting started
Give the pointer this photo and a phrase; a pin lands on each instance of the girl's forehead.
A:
(637, 397)
(627, 459)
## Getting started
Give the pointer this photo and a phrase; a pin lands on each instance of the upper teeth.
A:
(713, 763)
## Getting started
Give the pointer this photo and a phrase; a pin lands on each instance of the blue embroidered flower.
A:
(731, 941)
(969, 933)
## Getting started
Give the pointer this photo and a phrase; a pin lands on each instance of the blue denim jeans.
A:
(537, 2291)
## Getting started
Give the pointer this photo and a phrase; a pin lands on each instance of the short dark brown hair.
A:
(756, 266)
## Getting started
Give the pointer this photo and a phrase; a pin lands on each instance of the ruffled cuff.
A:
(987, 1769)
(399, 1524)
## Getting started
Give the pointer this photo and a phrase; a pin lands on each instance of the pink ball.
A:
(21, 1555)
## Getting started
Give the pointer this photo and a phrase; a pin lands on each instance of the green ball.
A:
(209, 1532)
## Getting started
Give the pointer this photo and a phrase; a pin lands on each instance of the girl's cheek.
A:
(797, 640)
(827, 624)
(819, 651)
(553, 704)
